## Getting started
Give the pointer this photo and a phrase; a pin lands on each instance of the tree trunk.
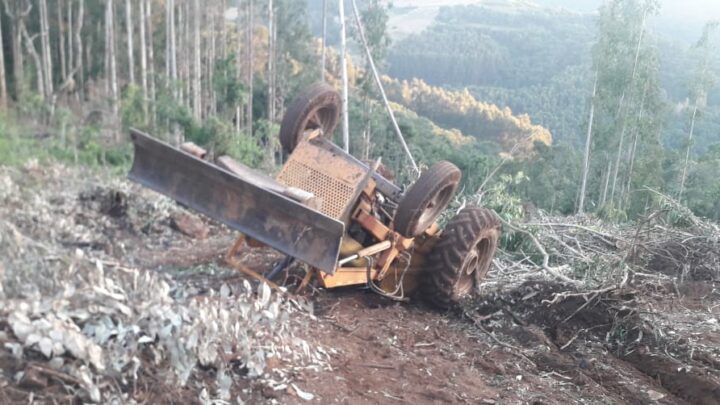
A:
(216, 19)
(271, 70)
(588, 142)
(324, 40)
(250, 71)
(172, 61)
(637, 49)
(130, 48)
(271, 82)
(17, 19)
(143, 58)
(687, 151)
(79, 47)
(603, 198)
(223, 32)
(196, 84)
(30, 46)
(171, 64)
(633, 148)
(344, 76)
(633, 151)
(3, 81)
(111, 73)
(188, 53)
(367, 134)
(18, 60)
(61, 35)
(45, 49)
(624, 115)
(69, 39)
(182, 52)
(151, 58)
(617, 160)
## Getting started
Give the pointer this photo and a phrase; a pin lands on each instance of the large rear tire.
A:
(462, 256)
(316, 107)
(426, 199)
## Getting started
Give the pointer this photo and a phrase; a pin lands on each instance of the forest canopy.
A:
(460, 110)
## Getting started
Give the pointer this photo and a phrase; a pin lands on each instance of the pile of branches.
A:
(588, 253)
(77, 318)
(614, 284)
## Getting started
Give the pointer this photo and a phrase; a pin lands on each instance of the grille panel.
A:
(333, 195)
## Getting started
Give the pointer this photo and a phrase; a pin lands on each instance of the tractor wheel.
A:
(462, 256)
(426, 199)
(318, 106)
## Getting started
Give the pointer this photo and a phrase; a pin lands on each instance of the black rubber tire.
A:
(426, 199)
(319, 98)
(461, 258)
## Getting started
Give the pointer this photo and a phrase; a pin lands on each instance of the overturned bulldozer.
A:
(338, 215)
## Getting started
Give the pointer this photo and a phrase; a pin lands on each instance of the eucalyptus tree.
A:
(3, 80)
(701, 84)
(626, 64)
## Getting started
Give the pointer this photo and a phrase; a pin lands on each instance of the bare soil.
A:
(512, 348)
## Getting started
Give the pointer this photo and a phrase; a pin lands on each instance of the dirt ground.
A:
(655, 344)
(512, 348)
(521, 341)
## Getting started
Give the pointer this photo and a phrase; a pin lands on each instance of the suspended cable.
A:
(343, 71)
(324, 40)
(380, 86)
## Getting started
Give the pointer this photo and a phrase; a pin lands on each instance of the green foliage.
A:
(214, 134)
(32, 104)
(703, 185)
(490, 60)
(484, 46)
(132, 112)
(16, 149)
(459, 109)
(559, 104)
(500, 198)
(20, 142)
(507, 205)
(427, 142)
(550, 185)
(230, 90)
(610, 213)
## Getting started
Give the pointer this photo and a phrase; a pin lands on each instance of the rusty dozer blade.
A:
(271, 218)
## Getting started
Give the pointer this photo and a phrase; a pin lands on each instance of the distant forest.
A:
(539, 63)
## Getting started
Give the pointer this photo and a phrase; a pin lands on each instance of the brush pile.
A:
(590, 254)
